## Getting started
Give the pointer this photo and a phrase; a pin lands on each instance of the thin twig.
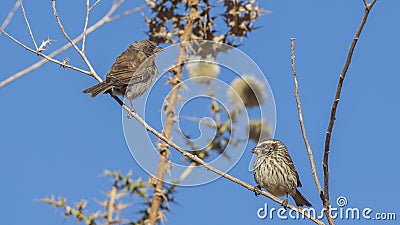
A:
(81, 53)
(48, 58)
(126, 13)
(333, 111)
(302, 126)
(86, 24)
(62, 27)
(94, 5)
(10, 15)
(206, 165)
(27, 24)
(106, 19)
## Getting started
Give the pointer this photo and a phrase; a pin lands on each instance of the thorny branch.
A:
(48, 58)
(170, 113)
(106, 19)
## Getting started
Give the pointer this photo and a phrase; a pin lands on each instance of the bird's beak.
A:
(159, 49)
(253, 150)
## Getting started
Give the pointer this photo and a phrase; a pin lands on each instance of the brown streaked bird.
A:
(124, 78)
(274, 170)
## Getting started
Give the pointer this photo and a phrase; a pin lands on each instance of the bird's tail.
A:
(300, 199)
(98, 89)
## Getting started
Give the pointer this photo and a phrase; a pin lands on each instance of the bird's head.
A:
(149, 47)
(265, 146)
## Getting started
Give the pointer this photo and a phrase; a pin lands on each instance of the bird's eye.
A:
(263, 145)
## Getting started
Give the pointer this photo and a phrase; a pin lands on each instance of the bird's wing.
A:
(125, 66)
(145, 71)
(291, 165)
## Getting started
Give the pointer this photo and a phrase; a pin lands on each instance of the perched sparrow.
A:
(274, 171)
(124, 78)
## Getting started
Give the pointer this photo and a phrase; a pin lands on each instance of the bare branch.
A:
(365, 3)
(43, 55)
(86, 24)
(10, 15)
(106, 19)
(94, 5)
(62, 27)
(207, 166)
(334, 108)
(27, 24)
(126, 13)
(81, 53)
(302, 126)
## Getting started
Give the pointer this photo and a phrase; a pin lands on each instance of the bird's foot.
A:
(285, 202)
(129, 116)
(257, 190)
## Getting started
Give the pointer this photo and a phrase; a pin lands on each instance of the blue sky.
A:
(55, 140)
